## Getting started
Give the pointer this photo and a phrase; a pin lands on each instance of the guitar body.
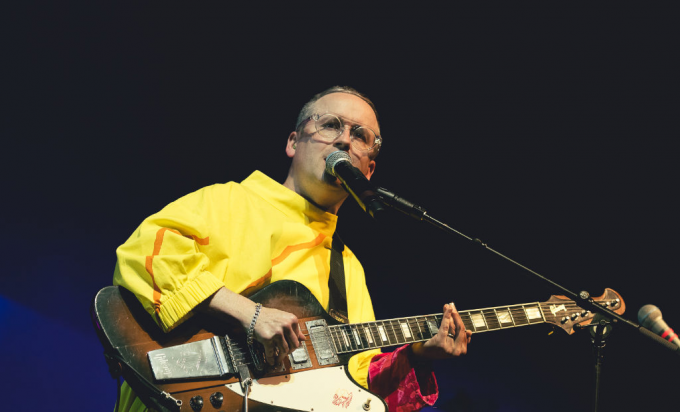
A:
(129, 333)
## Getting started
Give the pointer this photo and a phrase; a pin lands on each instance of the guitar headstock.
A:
(565, 313)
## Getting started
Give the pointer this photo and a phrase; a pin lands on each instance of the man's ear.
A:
(290, 144)
(371, 169)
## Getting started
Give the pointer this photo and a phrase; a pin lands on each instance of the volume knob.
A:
(216, 399)
(196, 403)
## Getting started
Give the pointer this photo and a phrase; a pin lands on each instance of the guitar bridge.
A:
(202, 359)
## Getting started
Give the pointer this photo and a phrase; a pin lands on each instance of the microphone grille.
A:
(648, 314)
(335, 158)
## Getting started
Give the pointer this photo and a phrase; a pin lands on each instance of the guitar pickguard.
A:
(301, 391)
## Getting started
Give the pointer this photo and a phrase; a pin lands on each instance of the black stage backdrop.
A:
(553, 141)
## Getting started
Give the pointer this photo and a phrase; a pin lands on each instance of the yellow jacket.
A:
(242, 236)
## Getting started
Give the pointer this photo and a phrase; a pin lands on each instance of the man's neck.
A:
(330, 204)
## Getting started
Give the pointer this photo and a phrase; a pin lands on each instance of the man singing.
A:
(211, 249)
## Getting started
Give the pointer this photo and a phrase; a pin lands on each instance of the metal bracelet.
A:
(251, 329)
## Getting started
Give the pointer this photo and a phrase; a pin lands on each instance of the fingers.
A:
(279, 333)
(294, 336)
(283, 351)
(452, 324)
(461, 336)
(300, 335)
(451, 340)
(269, 353)
(447, 322)
(457, 321)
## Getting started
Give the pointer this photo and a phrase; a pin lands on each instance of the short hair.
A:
(307, 108)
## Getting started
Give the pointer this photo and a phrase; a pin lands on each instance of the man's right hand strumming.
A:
(277, 331)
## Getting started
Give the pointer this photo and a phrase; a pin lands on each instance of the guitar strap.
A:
(337, 292)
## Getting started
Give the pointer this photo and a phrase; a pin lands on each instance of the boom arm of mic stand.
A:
(584, 299)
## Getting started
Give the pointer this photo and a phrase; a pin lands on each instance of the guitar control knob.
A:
(367, 405)
(216, 399)
(196, 403)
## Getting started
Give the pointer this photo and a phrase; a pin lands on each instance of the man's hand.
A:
(279, 333)
(451, 340)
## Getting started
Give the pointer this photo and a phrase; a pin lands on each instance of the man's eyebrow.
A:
(352, 121)
(376, 131)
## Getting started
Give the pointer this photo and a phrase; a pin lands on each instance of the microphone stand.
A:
(604, 318)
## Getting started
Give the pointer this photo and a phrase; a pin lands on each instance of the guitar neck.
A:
(378, 334)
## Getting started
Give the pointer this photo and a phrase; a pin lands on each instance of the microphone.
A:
(649, 316)
(339, 164)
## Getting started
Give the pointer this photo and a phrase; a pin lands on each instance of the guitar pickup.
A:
(203, 359)
(299, 359)
(321, 340)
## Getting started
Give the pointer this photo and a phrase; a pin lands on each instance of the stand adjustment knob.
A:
(196, 403)
(216, 399)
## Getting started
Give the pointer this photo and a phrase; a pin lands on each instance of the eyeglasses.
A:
(329, 126)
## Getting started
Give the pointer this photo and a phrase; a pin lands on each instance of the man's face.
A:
(309, 154)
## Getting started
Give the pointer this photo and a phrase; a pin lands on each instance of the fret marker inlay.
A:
(356, 337)
(406, 330)
(533, 313)
(344, 335)
(433, 327)
(368, 335)
(381, 329)
(478, 320)
(504, 317)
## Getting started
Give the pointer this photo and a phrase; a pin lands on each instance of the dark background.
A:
(552, 140)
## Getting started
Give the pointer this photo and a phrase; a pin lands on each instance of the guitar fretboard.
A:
(362, 336)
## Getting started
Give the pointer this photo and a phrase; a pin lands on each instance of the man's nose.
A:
(343, 141)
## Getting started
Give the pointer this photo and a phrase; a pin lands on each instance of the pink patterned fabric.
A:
(404, 387)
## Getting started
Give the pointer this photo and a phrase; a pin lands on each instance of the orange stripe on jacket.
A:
(201, 241)
(149, 266)
(286, 252)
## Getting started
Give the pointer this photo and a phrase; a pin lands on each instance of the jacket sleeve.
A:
(404, 384)
(163, 265)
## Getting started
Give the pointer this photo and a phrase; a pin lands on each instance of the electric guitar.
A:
(203, 365)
